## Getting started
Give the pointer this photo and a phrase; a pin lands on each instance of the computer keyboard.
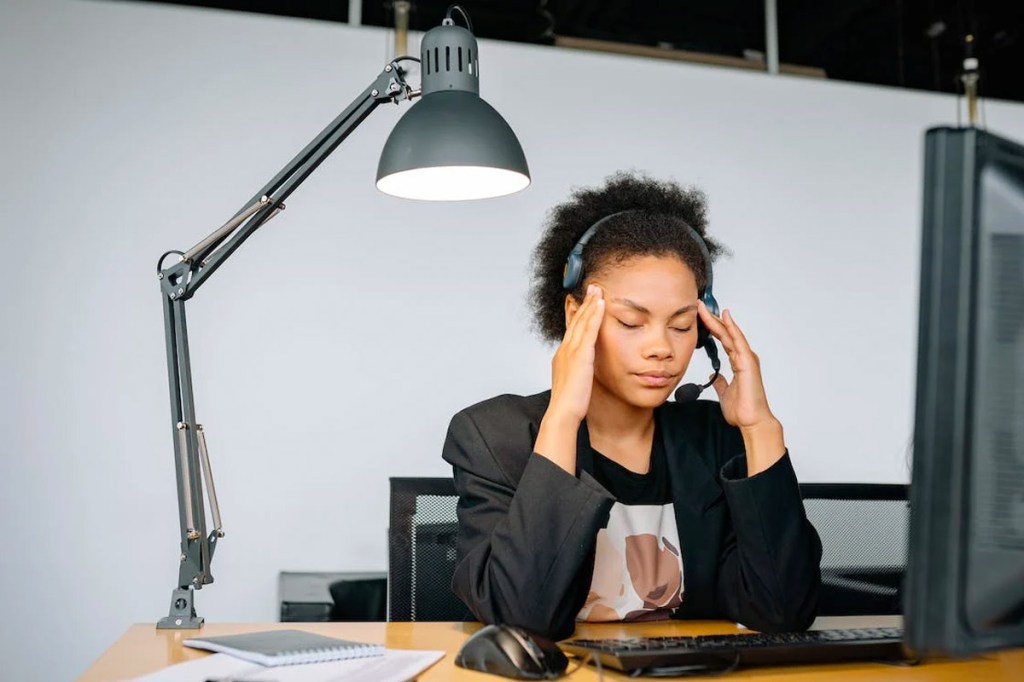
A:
(721, 652)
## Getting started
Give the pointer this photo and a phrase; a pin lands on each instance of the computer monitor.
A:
(965, 575)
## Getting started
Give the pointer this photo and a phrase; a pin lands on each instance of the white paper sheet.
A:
(396, 665)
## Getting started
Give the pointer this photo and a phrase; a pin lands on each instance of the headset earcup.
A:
(571, 274)
(710, 303)
(703, 333)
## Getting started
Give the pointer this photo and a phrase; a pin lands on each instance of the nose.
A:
(657, 344)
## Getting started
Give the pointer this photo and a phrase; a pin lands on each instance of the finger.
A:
(716, 327)
(720, 384)
(737, 334)
(574, 323)
(592, 325)
(581, 319)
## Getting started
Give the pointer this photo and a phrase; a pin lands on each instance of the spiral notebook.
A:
(285, 647)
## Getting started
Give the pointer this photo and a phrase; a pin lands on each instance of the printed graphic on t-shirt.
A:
(638, 568)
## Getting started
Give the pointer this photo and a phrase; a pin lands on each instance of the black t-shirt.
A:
(629, 487)
(638, 569)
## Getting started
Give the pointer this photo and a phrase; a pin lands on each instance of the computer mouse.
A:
(512, 652)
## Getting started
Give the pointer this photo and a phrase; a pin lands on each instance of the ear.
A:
(571, 308)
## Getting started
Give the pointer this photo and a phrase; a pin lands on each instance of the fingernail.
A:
(590, 289)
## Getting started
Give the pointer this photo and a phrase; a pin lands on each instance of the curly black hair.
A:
(659, 211)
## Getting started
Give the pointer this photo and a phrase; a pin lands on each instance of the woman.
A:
(599, 500)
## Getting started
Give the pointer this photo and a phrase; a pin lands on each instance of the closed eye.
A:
(681, 330)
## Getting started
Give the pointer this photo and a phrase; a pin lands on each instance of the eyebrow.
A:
(640, 309)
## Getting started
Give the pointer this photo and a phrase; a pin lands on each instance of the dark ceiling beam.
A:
(870, 41)
(808, 27)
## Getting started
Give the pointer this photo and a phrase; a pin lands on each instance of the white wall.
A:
(331, 350)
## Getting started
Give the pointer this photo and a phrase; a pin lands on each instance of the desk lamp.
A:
(450, 146)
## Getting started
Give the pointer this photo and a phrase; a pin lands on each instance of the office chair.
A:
(863, 529)
(359, 599)
(862, 526)
(421, 551)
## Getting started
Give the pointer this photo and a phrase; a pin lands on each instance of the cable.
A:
(160, 261)
(981, 106)
(465, 17)
(900, 664)
(549, 30)
(587, 659)
(685, 670)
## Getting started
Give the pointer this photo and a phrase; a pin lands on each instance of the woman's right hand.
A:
(572, 380)
(572, 367)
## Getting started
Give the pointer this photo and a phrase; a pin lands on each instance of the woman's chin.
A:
(649, 398)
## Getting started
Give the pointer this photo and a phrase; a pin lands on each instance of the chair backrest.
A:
(421, 551)
(863, 529)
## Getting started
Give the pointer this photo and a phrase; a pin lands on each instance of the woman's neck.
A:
(620, 431)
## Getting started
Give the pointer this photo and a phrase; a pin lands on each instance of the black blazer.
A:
(527, 529)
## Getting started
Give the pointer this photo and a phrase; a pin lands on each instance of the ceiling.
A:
(917, 44)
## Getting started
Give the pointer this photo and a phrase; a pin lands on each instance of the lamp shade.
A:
(451, 145)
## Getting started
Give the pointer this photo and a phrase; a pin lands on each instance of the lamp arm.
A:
(203, 259)
(178, 283)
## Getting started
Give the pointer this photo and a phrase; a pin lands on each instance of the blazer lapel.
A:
(697, 497)
(693, 483)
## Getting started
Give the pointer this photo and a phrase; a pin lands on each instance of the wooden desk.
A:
(144, 649)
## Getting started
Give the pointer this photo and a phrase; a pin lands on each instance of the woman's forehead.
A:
(647, 277)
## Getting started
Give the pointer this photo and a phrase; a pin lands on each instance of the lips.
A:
(655, 379)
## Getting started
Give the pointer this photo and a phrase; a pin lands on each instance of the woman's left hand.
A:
(744, 404)
(743, 401)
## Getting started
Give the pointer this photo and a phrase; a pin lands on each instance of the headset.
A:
(573, 275)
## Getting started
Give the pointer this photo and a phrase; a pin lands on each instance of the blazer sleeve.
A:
(769, 568)
(523, 546)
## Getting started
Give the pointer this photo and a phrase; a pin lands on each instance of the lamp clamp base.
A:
(182, 615)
